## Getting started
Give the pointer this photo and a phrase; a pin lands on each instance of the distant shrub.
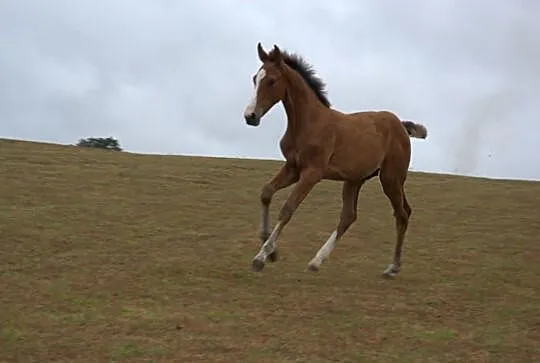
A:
(107, 143)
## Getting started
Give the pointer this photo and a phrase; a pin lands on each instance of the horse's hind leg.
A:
(348, 216)
(394, 190)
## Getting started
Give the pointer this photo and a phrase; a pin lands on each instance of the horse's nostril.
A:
(251, 119)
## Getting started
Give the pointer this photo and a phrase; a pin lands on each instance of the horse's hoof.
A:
(274, 256)
(313, 267)
(257, 265)
(390, 272)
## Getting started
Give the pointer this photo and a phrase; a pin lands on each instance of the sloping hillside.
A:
(112, 257)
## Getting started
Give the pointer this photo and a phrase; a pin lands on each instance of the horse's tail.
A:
(415, 130)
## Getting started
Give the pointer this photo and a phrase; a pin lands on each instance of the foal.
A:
(324, 143)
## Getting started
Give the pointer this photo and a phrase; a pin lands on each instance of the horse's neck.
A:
(298, 95)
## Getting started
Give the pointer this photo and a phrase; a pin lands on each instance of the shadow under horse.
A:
(323, 143)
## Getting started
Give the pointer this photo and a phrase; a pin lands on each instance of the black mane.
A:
(306, 71)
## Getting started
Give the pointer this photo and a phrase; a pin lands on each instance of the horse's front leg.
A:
(286, 176)
(307, 180)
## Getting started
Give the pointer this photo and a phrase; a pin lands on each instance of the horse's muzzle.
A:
(252, 119)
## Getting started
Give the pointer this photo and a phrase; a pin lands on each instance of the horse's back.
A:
(378, 117)
(387, 129)
(386, 123)
(396, 139)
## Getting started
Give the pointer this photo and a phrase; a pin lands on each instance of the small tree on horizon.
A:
(107, 143)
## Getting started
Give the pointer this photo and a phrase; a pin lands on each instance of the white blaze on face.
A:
(250, 109)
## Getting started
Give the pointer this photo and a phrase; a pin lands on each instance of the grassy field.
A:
(115, 257)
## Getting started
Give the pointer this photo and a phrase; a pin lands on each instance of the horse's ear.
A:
(263, 56)
(276, 55)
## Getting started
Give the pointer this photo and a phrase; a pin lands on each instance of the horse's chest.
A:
(288, 150)
(301, 152)
(291, 155)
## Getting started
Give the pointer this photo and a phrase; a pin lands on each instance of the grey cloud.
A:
(174, 77)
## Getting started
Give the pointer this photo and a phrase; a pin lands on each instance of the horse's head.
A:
(269, 85)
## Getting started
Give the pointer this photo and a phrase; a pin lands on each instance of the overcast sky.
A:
(173, 77)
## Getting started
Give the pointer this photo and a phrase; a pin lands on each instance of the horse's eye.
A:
(271, 81)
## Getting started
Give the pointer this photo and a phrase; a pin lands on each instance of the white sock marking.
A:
(392, 270)
(253, 104)
(269, 246)
(324, 251)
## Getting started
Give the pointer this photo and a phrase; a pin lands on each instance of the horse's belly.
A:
(353, 167)
(333, 174)
(353, 174)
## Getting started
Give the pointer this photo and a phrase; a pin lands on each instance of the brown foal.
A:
(324, 143)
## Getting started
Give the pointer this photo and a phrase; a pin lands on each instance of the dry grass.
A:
(114, 257)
